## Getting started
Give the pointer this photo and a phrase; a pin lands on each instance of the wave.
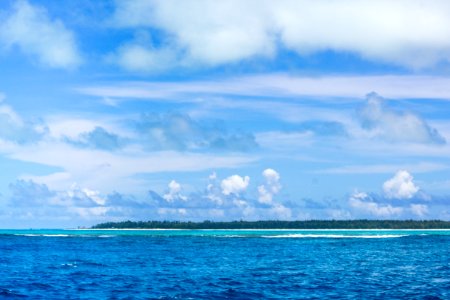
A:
(252, 234)
(335, 236)
(42, 234)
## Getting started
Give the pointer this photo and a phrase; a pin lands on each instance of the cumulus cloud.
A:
(271, 187)
(30, 29)
(98, 138)
(213, 190)
(221, 200)
(212, 33)
(176, 131)
(365, 204)
(152, 132)
(381, 121)
(36, 203)
(28, 193)
(83, 197)
(401, 186)
(234, 184)
(174, 192)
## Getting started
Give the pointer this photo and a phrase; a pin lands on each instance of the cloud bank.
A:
(401, 198)
(230, 198)
(404, 32)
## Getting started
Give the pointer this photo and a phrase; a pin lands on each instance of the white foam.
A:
(41, 234)
(335, 236)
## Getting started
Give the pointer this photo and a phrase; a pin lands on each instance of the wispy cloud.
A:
(279, 85)
(417, 167)
(14, 128)
(106, 170)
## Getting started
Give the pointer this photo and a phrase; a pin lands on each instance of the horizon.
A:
(93, 227)
(252, 110)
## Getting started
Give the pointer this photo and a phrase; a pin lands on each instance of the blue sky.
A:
(208, 110)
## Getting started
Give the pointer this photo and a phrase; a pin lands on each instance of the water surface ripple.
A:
(224, 264)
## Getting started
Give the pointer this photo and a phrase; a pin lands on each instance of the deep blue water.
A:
(225, 264)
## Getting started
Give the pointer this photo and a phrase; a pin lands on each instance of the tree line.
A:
(310, 224)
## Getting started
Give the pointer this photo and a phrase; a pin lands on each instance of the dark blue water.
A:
(191, 266)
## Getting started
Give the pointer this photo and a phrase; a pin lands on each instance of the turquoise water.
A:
(225, 264)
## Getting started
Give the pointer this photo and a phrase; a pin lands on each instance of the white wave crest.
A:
(335, 236)
(41, 234)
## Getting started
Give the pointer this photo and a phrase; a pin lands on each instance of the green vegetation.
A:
(311, 224)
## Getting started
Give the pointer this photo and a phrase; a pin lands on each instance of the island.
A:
(275, 224)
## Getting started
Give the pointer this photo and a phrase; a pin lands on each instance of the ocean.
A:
(225, 264)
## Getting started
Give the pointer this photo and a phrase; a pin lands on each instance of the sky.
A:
(223, 110)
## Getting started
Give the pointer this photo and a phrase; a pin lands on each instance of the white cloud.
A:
(272, 177)
(212, 33)
(214, 191)
(212, 176)
(70, 126)
(106, 170)
(177, 131)
(404, 32)
(141, 56)
(174, 192)
(15, 129)
(135, 57)
(362, 202)
(281, 212)
(271, 187)
(89, 213)
(336, 88)
(30, 29)
(234, 184)
(401, 186)
(37, 204)
(420, 210)
(383, 122)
